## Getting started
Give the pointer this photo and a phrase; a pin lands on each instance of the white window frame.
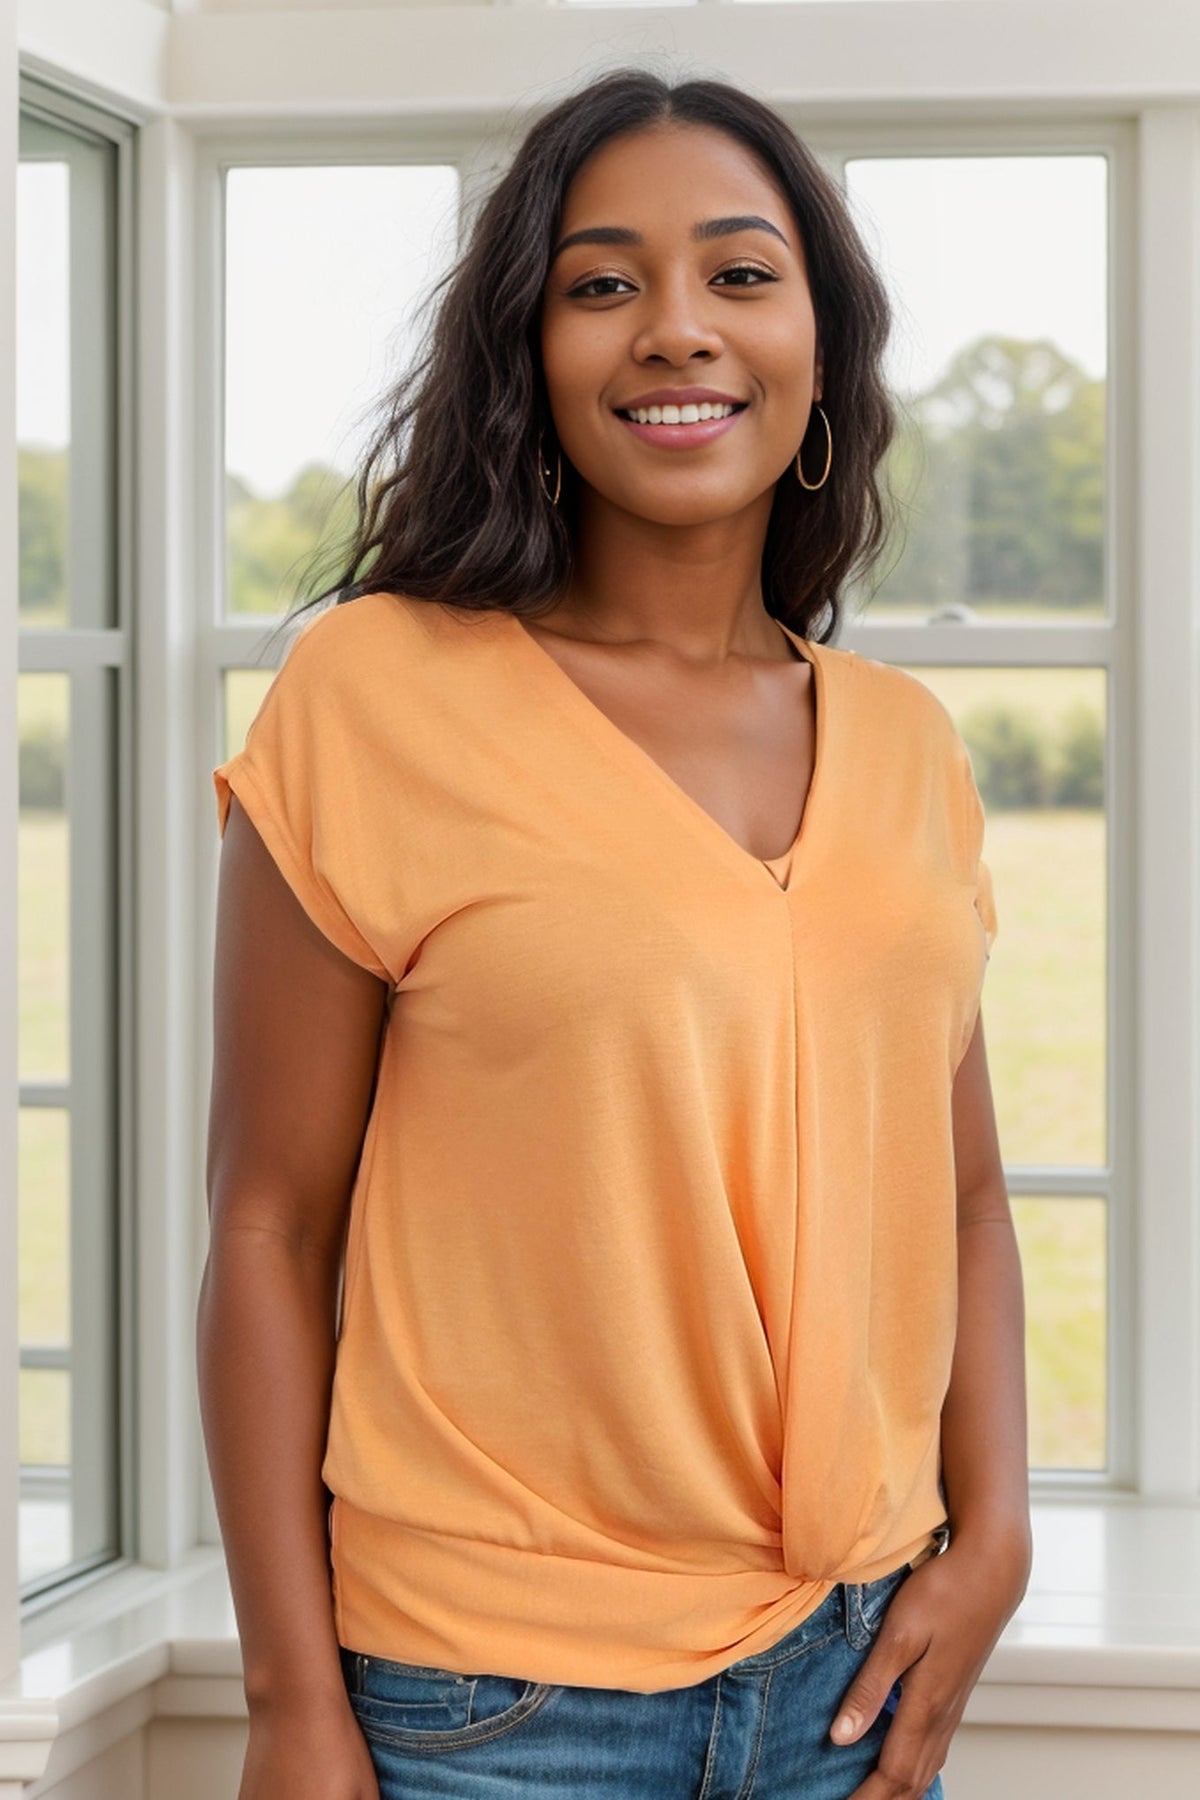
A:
(1103, 643)
(97, 1093)
(238, 643)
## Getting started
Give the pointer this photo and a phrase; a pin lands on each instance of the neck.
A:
(694, 587)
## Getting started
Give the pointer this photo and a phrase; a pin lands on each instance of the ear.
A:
(819, 375)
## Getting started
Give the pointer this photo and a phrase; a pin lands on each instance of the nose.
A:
(676, 322)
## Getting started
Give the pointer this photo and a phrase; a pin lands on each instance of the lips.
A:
(683, 437)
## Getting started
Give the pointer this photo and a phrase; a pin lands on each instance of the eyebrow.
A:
(708, 228)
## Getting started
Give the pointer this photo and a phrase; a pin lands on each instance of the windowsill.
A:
(1107, 1636)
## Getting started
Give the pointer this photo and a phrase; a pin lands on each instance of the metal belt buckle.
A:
(941, 1538)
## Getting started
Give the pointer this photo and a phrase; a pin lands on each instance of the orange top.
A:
(650, 1291)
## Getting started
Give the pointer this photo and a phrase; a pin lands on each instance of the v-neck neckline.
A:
(783, 870)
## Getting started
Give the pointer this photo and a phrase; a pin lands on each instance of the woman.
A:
(599, 953)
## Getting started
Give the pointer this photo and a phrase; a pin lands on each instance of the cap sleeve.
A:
(297, 779)
(981, 874)
(984, 903)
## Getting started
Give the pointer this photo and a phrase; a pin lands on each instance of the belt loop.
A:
(360, 1671)
(852, 1593)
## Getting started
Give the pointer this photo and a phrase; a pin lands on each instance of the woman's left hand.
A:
(937, 1633)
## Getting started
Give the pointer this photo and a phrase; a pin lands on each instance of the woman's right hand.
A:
(307, 1753)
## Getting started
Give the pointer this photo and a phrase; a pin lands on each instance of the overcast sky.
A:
(324, 266)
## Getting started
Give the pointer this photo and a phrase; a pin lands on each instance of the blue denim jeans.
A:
(757, 1731)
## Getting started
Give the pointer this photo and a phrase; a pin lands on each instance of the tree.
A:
(42, 532)
(1000, 468)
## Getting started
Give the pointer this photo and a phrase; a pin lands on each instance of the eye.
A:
(581, 291)
(746, 269)
(587, 289)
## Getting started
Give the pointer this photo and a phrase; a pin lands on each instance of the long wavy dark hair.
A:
(450, 506)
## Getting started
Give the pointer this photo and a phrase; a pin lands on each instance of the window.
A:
(1000, 595)
(72, 216)
(355, 247)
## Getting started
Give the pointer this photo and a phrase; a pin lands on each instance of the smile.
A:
(684, 434)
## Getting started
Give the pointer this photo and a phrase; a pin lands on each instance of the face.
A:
(729, 311)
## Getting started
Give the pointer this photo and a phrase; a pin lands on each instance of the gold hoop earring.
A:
(812, 486)
(543, 472)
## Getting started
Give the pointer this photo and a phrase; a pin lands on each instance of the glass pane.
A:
(43, 877)
(44, 1529)
(1063, 1245)
(1036, 738)
(43, 389)
(44, 1227)
(44, 1327)
(325, 269)
(45, 1439)
(69, 977)
(998, 269)
(244, 691)
(67, 376)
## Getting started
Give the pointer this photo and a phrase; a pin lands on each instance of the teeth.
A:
(680, 415)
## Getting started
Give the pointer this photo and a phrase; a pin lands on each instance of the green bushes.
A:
(1020, 761)
(42, 767)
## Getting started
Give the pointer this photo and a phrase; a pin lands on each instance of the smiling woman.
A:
(650, 935)
(686, 291)
(458, 436)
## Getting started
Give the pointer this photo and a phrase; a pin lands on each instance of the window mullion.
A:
(1166, 787)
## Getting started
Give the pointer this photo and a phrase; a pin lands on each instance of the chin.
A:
(688, 508)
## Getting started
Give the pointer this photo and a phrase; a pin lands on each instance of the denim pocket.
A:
(866, 1604)
(412, 1706)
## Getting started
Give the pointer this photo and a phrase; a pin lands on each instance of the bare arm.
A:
(985, 1456)
(947, 1617)
(296, 1038)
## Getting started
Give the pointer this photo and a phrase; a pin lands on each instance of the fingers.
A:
(913, 1748)
(915, 1745)
(876, 1685)
(913, 1752)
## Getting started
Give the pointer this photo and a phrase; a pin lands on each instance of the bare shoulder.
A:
(296, 1030)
